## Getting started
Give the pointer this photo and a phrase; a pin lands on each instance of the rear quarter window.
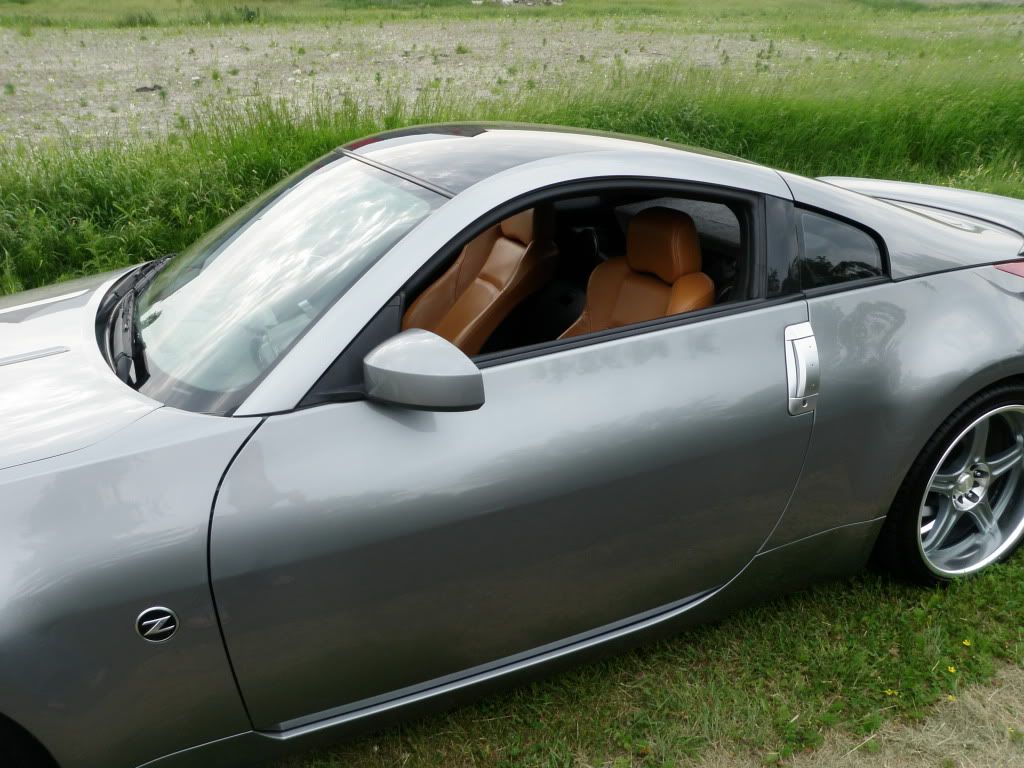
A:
(836, 252)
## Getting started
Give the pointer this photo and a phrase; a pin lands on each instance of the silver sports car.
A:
(456, 404)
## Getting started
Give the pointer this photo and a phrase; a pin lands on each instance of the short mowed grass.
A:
(918, 93)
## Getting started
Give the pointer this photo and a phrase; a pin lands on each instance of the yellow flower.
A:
(967, 643)
(951, 697)
(890, 692)
(951, 669)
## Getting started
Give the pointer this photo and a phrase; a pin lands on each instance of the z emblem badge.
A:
(156, 625)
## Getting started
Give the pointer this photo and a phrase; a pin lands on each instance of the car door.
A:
(362, 552)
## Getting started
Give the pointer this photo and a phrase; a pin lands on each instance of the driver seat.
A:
(660, 275)
(495, 271)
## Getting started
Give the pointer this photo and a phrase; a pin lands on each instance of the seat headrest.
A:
(664, 242)
(519, 227)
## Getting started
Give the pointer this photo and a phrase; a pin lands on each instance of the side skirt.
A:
(770, 574)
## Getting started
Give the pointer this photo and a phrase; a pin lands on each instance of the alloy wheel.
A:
(972, 511)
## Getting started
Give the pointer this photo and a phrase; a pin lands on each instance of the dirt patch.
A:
(85, 83)
(982, 726)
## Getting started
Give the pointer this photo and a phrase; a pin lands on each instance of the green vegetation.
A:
(724, 14)
(136, 19)
(65, 209)
(894, 89)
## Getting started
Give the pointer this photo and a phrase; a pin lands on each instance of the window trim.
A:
(518, 354)
(783, 245)
(756, 226)
(433, 267)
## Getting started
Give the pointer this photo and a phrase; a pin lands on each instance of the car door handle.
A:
(803, 372)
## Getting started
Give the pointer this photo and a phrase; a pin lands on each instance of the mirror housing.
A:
(418, 369)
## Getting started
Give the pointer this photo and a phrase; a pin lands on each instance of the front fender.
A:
(90, 539)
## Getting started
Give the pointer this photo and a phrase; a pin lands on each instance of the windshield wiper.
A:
(128, 351)
(130, 282)
(126, 345)
(149, 271)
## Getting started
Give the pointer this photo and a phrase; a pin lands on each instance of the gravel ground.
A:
(83, 82)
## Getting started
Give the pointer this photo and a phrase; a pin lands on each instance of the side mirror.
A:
(418, 369)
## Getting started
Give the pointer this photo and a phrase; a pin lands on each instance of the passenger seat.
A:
(495, 271)
(660, 275)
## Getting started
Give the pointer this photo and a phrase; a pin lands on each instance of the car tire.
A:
(960, 508)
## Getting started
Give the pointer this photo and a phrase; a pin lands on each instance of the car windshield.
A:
(220, 315)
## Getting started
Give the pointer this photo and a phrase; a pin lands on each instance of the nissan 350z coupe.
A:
(455, 404)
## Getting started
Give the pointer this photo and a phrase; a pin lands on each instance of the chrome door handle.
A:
(803, 372)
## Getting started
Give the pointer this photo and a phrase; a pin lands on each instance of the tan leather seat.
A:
(660, 275)
(495, 271)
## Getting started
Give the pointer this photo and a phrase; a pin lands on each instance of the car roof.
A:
(455, 156)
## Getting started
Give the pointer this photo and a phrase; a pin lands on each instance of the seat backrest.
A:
(495, 271)
(660, 275)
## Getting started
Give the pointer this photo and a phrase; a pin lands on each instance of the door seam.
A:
(803, 461)
(209, 570)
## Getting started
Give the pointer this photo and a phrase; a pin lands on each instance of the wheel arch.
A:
(890, 550)
(976, 386)
(24, 744)
(979, 383)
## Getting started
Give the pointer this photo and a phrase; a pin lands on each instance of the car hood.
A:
(57, 393)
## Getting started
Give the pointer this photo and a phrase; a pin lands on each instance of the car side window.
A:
(582, 264)
(579, 264)
(836, 252)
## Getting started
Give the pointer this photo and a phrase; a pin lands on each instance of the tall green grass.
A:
(68, 209)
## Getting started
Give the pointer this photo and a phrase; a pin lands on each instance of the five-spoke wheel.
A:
(973, 508)
(961, 505)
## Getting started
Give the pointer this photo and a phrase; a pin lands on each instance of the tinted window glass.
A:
(835, 252)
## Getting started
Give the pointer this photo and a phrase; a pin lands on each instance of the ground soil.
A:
(83, 82)
(981, 727)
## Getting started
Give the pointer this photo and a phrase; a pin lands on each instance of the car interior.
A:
(584, 264)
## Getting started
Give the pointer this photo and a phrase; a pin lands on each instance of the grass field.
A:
(150, 13)
(895, 89)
